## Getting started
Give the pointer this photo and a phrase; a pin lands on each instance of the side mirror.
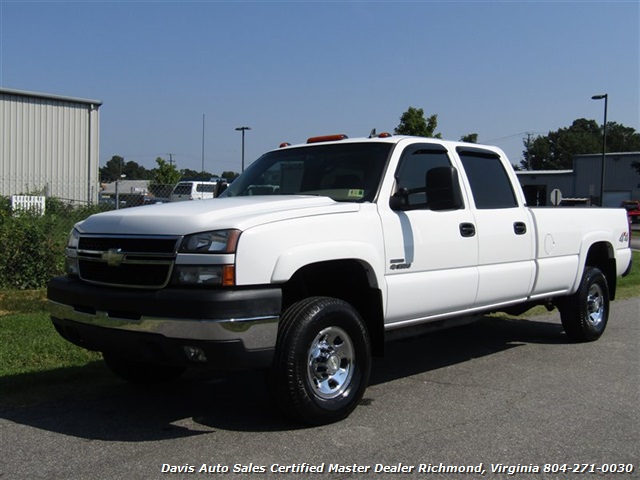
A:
(399, 200)
(443, 189)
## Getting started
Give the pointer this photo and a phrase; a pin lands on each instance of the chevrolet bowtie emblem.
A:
(113, 257)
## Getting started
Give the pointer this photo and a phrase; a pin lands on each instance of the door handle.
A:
(467, 229)
(520, 228)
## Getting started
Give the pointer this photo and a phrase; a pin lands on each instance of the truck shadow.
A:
(101, 407)
(487, 336)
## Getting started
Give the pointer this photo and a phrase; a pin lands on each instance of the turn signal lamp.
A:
(228, 275)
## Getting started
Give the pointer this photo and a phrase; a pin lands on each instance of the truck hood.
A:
(183, 218)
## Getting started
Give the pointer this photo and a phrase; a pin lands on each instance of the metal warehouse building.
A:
(49, 146)
(621, 180)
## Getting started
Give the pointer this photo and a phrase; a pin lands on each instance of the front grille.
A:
(127, 261)
(129, 244)
(126, 274)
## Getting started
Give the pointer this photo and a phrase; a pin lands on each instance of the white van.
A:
(194, 190)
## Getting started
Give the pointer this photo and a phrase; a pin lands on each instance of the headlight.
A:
(194, 272)
(71, 253)
(217, 241)
(74, 237)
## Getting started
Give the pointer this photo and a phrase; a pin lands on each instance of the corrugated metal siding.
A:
(620, 174)
(588, 177)
(48, 145)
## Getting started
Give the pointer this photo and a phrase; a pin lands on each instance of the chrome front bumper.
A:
(255, 333)
(234, 328)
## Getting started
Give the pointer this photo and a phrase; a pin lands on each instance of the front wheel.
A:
(585, 314)
(322, 360)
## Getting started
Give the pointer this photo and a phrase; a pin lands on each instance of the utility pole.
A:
(202, 171)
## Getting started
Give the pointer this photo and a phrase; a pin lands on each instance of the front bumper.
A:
(233, 328)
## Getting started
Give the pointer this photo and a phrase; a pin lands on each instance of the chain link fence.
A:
(133, 193)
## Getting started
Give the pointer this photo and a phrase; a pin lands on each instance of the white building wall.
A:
(49, 145)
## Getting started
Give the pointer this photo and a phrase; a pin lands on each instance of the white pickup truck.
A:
(320, 252)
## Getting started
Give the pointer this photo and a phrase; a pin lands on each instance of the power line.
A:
(514, 135)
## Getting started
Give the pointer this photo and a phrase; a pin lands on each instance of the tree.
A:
(112, 169)
(230, 176)
(193, 175)
(412, 122)
(621, 138)
(556, 150)
(116, 167)
(165, 173)
(470, 138)
(133, 171)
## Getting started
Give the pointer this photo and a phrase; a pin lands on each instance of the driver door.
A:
(431, 255)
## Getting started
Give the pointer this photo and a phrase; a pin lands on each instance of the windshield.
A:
(348, 172)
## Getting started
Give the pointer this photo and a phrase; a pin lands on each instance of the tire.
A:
(141, 373)
(585, 314)
(322, 361)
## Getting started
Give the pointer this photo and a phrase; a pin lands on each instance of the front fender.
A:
(289, 262)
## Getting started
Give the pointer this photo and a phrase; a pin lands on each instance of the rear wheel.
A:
(585, 314)
(142, 373)
(322, 360)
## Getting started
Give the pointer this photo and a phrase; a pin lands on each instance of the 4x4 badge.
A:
(114, 257)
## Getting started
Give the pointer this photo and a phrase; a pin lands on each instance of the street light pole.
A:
(242, 129)
(604, 143)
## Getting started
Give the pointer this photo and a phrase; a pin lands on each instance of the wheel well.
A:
(347, 280)
(601, 255)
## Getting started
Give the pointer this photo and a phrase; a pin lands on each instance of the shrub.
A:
(32, 246)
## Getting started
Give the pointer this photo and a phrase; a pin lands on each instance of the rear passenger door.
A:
(504, 228)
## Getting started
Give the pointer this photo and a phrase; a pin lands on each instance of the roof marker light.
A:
(327, 138)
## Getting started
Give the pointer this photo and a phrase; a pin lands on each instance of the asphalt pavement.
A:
(499, 395)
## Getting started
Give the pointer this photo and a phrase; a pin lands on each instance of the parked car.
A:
(197, 190)
(155, 200)
(633, 210)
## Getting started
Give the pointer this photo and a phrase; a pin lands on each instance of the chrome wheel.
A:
(322, 360)
(585, 314)
(595, 305)
(331, 362)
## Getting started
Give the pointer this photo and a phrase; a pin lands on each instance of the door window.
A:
(415, 162)
(490, 184)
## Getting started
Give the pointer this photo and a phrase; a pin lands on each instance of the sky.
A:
(177, 77)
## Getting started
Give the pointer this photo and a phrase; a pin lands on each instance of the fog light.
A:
(195, 354)
(198, 274)
(71, 266)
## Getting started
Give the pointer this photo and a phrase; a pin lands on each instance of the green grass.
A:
(31, 344)
(37, 364)
(629, 286)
